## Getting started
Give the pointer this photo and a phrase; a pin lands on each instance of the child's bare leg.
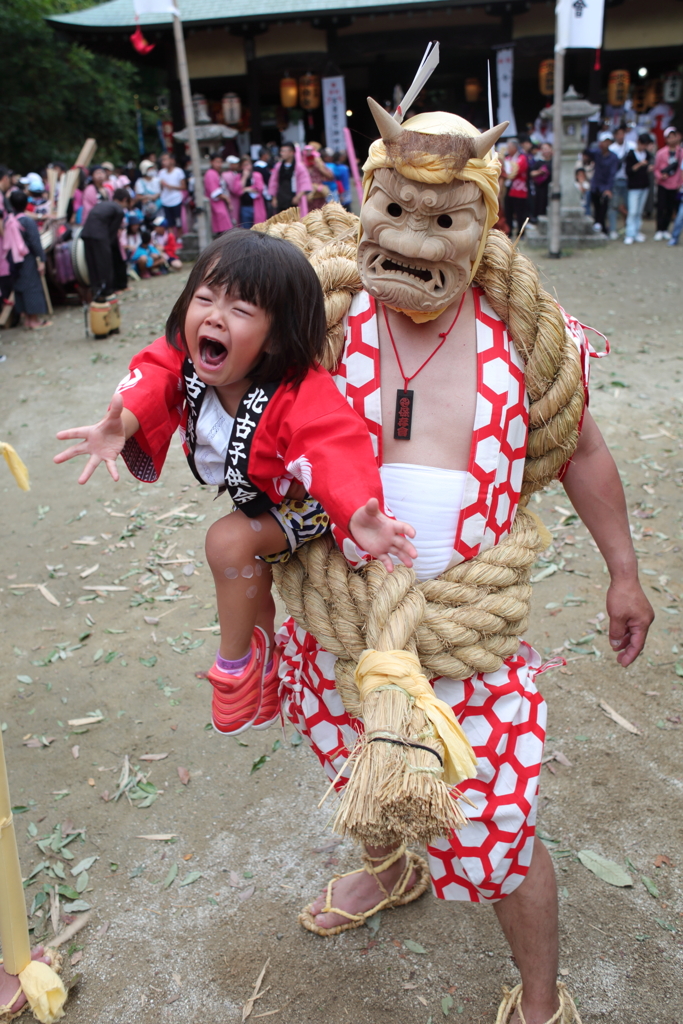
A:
(242, 581)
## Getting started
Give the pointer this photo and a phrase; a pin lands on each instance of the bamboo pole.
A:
(183, 75)
(16, 949)
(555, 220)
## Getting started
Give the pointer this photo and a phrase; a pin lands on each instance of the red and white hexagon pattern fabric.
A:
(503, 715)
(499, 435)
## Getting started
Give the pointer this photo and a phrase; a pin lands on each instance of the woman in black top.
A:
(638, 167)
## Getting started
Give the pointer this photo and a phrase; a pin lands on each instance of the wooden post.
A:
(199, 201)
(555, 220)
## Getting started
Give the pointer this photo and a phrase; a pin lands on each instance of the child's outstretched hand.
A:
(381, 536)
(102, 441)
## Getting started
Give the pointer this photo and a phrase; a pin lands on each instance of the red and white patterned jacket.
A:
(499, 437)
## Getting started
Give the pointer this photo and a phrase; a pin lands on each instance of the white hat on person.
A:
(34, 181)
(604, 136)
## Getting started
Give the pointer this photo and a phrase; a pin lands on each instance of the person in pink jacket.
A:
(249, 186)
(230, 177)
(669, 179)
(289, 180)
(219, 198)
(95, 192)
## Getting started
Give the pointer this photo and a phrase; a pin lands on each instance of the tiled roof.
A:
(119, 14)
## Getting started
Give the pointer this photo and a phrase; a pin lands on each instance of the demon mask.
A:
(430, 198)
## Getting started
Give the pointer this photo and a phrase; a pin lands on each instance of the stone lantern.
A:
(577, 227)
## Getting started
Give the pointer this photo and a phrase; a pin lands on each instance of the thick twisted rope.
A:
(468, 620)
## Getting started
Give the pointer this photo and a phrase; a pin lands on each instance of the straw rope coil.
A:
(467, 620)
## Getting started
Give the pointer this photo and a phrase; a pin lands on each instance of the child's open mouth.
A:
(213, 353)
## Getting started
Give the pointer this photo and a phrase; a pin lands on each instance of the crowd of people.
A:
(622, 178)
(132, 218)
(243, 192)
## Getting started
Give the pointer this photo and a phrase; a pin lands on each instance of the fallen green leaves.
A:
(607, 870)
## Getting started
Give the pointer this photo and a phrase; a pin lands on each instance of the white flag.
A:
(579, 24)
(504, 73)
(155, 7)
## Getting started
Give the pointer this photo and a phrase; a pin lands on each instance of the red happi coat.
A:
(305, 432)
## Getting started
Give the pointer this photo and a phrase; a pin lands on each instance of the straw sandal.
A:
(398, 896)
(512, 1000)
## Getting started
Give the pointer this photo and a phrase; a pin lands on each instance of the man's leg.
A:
(528, 916)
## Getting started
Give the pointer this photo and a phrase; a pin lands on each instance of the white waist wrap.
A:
(430, 500)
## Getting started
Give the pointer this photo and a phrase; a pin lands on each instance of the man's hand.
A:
(630, 617)
(608, 193)
(102, 441)
(41, 267)
(381, 536)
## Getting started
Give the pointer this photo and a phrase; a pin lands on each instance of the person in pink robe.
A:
(219, 200)
(249, 186)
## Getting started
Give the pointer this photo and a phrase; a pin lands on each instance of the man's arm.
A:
(595, 490)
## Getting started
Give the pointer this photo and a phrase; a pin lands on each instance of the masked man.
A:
(447, 357)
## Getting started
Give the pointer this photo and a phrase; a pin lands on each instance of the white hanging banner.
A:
(155, 7)
(504, 71)
(579, 24)
(334, 109)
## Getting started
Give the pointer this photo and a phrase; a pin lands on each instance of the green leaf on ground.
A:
(83, 865)
(136, 872)
(605, 869)
(259, 763)
(26, 680)
(447, 1004)
(189, 879)
(76, 906)
(148, 662)
(170, 877)
(373, 923)
(414, 947)
(650, 886)
(665, 925)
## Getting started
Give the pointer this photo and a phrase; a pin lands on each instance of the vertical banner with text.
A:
(334, 109)
(504, 73)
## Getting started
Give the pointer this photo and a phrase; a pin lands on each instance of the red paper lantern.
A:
(289, 92)
(309, 92)
(618, 86)
(546, 77)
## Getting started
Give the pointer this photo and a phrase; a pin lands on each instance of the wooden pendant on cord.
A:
(404, 415)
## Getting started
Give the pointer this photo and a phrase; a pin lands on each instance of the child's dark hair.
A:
(145, 236)
(275, 276)
(18, 201)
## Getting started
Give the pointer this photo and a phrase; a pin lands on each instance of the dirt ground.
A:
(248, 841)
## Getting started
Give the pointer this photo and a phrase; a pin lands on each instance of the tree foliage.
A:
(57, 93)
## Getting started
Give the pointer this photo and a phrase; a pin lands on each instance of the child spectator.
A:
(147, 259)
(168, 244)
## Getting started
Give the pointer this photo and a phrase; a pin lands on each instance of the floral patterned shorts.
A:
(301, 522)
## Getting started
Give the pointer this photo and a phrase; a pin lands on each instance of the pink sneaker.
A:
(237, 699)
(270, 699)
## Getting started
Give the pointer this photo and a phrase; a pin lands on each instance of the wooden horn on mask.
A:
(388, 128)
(485, 142)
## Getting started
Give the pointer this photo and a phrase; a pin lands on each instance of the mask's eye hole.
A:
(444, 221)
(394, 210)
